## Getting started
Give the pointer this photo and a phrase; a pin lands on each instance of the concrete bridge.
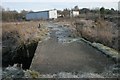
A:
(62, 53)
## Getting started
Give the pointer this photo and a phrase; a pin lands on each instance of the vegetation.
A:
(91, 25)
(19, 42)
(101, 31)
(8, 15)
(11, 16)
(97, 25)
(23, 31)
(102, 12)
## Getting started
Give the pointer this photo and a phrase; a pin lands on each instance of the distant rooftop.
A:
(43, 11)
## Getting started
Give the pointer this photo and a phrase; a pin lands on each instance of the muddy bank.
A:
(19, 42)
(22, 55)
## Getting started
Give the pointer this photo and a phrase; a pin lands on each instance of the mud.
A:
(22, 55)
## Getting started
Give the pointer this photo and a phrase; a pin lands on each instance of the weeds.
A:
(23, 32)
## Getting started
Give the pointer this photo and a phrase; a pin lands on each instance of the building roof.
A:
(43, 11)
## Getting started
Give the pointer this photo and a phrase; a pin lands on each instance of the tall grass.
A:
(101, 31)
(22, 32)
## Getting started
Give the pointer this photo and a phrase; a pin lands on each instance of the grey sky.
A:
(42, 5)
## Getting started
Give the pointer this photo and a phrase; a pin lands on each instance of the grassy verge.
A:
(19, 41)
(23, 32)
(101, 31)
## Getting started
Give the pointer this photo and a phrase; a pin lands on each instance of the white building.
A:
(74, 13)
(49, 14)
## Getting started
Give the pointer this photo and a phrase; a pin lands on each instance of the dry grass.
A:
(101, 31)
(23, 32)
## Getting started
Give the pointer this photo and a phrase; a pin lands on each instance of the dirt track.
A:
(53, 55)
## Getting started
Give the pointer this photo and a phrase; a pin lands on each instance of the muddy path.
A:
(62, 53)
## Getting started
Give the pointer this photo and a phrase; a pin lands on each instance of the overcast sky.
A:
(39, 5)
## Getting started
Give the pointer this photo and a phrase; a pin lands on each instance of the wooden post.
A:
(39, 26)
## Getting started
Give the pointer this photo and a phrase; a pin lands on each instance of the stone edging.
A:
(105, 50)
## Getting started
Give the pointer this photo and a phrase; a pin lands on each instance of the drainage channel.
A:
(22, 55)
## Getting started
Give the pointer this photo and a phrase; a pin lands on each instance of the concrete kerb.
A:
(109, 52)
(44, 39)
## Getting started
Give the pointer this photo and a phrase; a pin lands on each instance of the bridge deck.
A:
(53, 57)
